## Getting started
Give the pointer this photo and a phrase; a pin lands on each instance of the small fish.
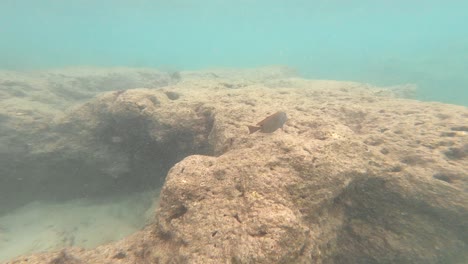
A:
(270, 124)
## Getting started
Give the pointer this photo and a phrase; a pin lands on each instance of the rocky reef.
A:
(357, 175)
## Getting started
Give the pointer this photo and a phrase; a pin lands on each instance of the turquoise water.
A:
(380, 42)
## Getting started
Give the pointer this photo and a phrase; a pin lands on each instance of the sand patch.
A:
(44, 226)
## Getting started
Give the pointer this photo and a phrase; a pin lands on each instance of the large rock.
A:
(42, 155)
(355, 176)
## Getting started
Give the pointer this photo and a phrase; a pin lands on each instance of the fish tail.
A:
(253, 129)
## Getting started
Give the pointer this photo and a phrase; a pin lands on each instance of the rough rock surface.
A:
(37, 145)
(356, 176)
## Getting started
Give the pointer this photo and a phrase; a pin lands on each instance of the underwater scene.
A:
(219, 131)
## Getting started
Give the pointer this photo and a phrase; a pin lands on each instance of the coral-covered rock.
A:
(355, 176)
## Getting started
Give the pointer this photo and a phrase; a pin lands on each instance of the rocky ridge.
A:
(356, 176)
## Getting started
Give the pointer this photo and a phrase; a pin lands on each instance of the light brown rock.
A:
(357, 175)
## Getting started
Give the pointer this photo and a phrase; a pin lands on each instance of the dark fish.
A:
(270, 124)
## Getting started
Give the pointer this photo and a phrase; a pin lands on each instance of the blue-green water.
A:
(380, 42)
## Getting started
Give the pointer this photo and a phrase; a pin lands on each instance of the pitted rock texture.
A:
(356, 175)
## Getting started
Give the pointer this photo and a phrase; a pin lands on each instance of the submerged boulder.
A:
(356, 175)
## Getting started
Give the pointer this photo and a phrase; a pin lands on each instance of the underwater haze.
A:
(249, 131)
(379, 42)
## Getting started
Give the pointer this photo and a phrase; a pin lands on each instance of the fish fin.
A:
(253, 129)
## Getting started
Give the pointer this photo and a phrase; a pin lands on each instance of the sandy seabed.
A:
(86, 223)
